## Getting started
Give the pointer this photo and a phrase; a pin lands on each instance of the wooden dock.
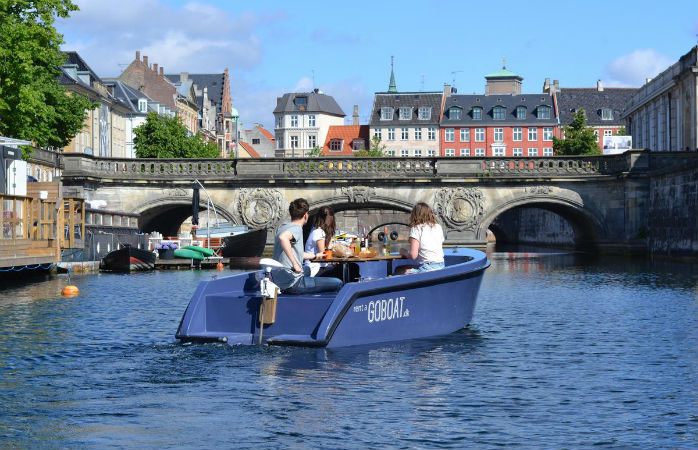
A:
(186, 264)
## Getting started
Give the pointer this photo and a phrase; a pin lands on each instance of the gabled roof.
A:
(267, 134)
(75, 58)
(570, 100)
(212, 81)
(249, 149)
(413, 100)
(316, 102)
(488, 102)
(347, 134)
(126, 94)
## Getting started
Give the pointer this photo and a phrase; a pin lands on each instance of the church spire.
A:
(392, 87)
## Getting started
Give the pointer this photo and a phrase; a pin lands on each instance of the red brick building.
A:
(151, 81)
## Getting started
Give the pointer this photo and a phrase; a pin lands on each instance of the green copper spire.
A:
(392, 87)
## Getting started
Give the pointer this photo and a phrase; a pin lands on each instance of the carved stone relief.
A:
(258, 208)
(359, 194)
(460, 208)
(539, 190)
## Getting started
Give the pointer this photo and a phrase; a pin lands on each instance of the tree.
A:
(579, 139)
(33, 105)
(621, 131)
(375, 150)
(166, 137)
(315, 152)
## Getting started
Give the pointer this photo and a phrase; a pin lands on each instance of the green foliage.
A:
(621, 131)
(375, 150)
(315, 152)
(166, 137)
(579, 139)
(33, 105)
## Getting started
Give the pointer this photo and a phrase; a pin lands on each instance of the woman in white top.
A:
(321, 235)
(426, 242)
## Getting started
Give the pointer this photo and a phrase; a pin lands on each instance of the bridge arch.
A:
(589, 229)
(166, 214)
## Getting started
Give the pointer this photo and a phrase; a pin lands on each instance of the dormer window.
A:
(358, 145)
(499, 113)
(424, 113)
(454, 113)
(521, 112)
(142, 105)
(386, 113)
(606, 114)
(405, 113)
(301, 103)
(477, 113)
(335, 145)
(544, 112)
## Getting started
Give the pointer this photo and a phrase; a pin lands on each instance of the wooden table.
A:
(357, 259)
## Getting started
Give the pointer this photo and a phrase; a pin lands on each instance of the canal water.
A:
(565, 351)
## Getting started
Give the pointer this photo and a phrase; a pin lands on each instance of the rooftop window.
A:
(521, 112)
(499, 113)
(544, 112)
(424, 113)
(405, 113)
(386, 113)
(477, 113)
(606, 114)
(301, 103)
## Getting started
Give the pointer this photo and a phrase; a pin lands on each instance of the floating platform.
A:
(186, 263)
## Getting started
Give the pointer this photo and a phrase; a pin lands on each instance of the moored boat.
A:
(128, 259)
(247, 244)
(379, 309)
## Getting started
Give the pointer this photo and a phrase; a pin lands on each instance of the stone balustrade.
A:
(85, 166)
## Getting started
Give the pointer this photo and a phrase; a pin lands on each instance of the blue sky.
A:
(344, 48)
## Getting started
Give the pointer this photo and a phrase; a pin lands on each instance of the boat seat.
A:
(309, 297)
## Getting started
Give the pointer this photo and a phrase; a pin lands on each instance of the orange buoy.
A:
(219, 266)
(70, 291)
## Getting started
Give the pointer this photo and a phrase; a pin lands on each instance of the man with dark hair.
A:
(288, 250)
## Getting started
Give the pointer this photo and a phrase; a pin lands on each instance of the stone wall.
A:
(673, 214)
(533, 226)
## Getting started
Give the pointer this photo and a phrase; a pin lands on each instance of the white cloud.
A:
(632, 69)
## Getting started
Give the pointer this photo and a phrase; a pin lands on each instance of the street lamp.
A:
(235, 116)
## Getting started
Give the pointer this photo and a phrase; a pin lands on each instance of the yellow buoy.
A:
(219, 266)
(70, 291)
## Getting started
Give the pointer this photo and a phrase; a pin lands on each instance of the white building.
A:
(301, 122)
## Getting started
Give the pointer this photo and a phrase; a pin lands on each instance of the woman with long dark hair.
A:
(320, 237)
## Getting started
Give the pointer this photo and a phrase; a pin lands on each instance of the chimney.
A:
(183, 76)
(145, 60)
(155, 68)
(138, 55)
(546, 85)
(599, 85)
(447, 90)
(162, 71)
(647, 80)
(556, 85)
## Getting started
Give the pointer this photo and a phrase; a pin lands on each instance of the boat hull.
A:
(383, 309)
(247, 244)
(128, 259)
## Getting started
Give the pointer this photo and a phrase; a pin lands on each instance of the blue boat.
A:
(376, 309)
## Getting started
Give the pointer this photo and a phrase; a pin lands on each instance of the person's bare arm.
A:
(285, 242)
(414, 249)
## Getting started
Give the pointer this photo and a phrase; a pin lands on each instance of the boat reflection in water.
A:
(380, 309)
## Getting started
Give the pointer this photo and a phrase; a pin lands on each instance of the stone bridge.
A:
(607, 201)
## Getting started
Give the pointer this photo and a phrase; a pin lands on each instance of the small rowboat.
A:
(128, 259)
(243, 309)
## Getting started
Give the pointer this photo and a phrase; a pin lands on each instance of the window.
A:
(255, 141)
(386, 113)
(518, 134)
(404, 153)
(391, 134)
(499, 134)
(312, 141)
(405, 135)
(479, 152)
(477, 113)
(498, 151)
(596, 133)
(424, 113)
(418, 134)
(517, 152)
(378, 132)
(450, 135)
(454, 113)
(335, 145)
(479, 135)
(390, 152)
(532, 152)
(533, 134)
(301, 103)
(294, 141)
(521, 112)
(608, 132)
(405, 113)
(418, 152)
(547, 133)
(358, 145)
(606, 114)
(465, 134)
(465, 152)
(142, 105)
(544, 112)
(548, 151)
(431, 133)
(431, 152)
(499, 113)
(450, 152)
(311, 120)
(294, 121)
